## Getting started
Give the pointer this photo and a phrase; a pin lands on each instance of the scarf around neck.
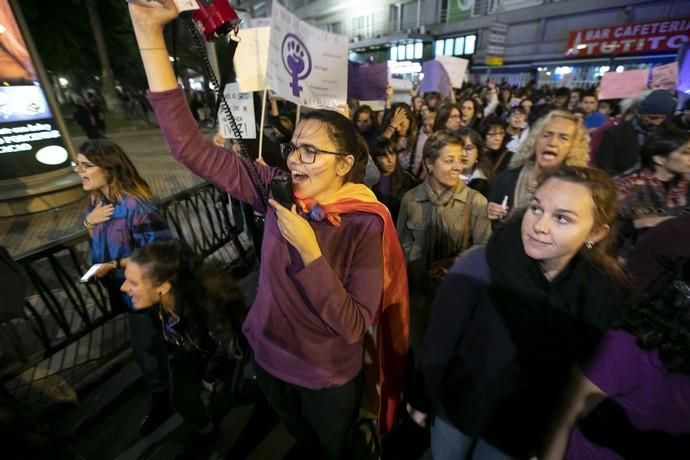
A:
(385, 376)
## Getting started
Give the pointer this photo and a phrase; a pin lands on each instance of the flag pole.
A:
(260, 134)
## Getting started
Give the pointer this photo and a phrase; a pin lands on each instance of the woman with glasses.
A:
(330, 260)
(121, 218)
(200, 309)
(438, 220)
(493, 132)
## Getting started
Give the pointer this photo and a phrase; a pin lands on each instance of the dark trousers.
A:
(186, 371)
(149, 347)
(324, 420)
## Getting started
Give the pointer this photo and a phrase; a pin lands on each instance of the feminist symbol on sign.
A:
(297, 61)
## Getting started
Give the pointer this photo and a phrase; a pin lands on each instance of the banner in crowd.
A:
(367, 81)
(621, 85)
(401, 90)
(459, 10)
(435, 78)
(644, 37)
(306, 65)
(455, 68)
(242, 108)
(251, 58)
(665, 76)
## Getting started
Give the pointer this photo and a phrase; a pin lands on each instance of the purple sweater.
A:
(307, 323)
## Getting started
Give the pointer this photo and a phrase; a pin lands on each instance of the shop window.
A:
(459, 46)
(418, 50)
(438, 48)
(456, 46)
(394, 53)
(470, 42)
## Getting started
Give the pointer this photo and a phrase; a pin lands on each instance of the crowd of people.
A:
(505, 270)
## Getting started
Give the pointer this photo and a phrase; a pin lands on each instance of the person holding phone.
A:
(121, 218)
(331, 260)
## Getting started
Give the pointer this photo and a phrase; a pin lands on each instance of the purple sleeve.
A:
(201, 155)
(615, 366)
(348, 306)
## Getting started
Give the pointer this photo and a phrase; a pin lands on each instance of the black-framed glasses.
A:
(305, 153)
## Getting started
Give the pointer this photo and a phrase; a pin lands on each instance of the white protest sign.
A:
(242, 108)
(306, 65)
(665, 76)
(251, 58)
(455, 68)
(401, 90)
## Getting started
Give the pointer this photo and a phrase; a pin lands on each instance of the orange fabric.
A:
(392, 331)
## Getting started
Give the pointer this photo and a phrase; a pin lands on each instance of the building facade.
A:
(515, 40)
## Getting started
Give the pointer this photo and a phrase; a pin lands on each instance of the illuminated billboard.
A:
(30, 140)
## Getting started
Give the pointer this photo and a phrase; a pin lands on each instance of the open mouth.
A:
(549, 156)
(298, 177)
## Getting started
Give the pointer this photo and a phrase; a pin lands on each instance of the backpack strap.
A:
(467, 219)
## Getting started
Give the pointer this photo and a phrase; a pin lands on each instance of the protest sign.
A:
(306, 65)
(665, 76)
(401, 90)
(251, 58)
(455, 68)
(619, 85)
(242, 108)
(435, 78)
(367, 81)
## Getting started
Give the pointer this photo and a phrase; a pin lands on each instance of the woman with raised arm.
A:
(334, 261)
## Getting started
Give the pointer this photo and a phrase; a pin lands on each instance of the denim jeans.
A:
(449, 443)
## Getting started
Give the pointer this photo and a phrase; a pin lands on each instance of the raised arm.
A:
(148, 19)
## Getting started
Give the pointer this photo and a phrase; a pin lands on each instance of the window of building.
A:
(456, 46)
(407, 51)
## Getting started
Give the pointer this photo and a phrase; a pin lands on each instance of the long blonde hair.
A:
(579, 150)
(123, 178)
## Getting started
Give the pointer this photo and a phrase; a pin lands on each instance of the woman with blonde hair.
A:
(120, 219)
(558, 138)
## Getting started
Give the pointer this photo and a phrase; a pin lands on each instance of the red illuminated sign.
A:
(644, 37)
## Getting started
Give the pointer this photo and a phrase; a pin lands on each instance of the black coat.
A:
(619, 149)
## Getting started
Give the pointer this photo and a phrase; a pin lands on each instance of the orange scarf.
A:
(384, 378)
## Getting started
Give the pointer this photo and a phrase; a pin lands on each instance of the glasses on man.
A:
(305, 153)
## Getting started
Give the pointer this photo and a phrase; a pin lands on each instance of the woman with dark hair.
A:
(476, 171)
(399, 125)
(470, 112)
(365, 120)
(448, 117)
(121, 217)
(439, 219)
(201, 309)
(332, 257)
(632, 400)
(658, 190)
(511, 318)
(394, 182)
(493, 132)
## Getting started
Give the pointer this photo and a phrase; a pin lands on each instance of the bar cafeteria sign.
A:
(644, 37)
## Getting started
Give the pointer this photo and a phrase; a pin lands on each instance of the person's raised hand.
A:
(495, 211)
(151, 14)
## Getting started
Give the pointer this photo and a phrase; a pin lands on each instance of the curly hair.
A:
(662, 323)
(579, 151)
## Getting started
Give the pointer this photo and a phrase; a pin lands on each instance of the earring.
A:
(589, 245)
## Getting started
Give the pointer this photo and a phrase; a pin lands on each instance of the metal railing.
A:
(69, 328)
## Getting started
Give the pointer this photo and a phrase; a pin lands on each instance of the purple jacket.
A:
(306, 323)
